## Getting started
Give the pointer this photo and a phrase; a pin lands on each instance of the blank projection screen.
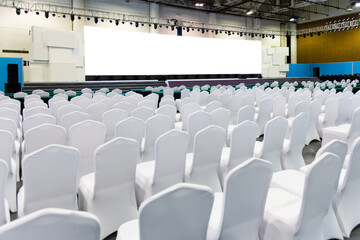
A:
(116, 52)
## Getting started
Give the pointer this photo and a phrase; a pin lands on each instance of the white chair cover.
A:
(312, 133)
(197, 121)
(264, 115)
(49, 179)
(131, 127)
(97, 110)
(37, 120)
(4, 207)
(72, 118)
(143, 113)
(110, 119)
(109, 192)
(221, 117)
(54, 224)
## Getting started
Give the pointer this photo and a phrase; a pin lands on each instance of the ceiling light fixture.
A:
(292, 19)
(249, 12)
(199, 4)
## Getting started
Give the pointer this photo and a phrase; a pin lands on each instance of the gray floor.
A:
(309, 153)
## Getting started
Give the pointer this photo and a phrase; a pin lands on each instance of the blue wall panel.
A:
(306, 70)
(3, 70)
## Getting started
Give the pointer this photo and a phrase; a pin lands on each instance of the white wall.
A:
(16, 29)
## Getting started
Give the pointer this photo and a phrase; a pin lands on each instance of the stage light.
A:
(131, 23)
(64, 16)
(46, 14)
(172, 28)
(88, 19)
(198, 29)
(199, 4)
(136, 24)
(311, 34)
(149, 25)
(297, 36)
(167, 26)
(212, 31)
(160, 26)
(79, 17)
(110, 21)
(187, 29)
(252, 35)
(318, 33)
(72, 17)
(249, 12)
(229, 33)
(102, 20)
(192, 29)
(54, 15)
(225, 32)
(220, 32)
(96, 20)
(117, 22)
(142, 24)
(216, 32)
(238, 33)
(207, 30)
(273, 37)
(123, 22)
(18, 11)
(37, 13)
(292, 19)
(241, 34)
(304, 35)
(155, 25)
(26, 11)
(255, 34)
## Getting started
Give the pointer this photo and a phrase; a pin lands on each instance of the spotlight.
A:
(131, 23)
(198, 29)
(255, 34)
(136, 24)
(172, 28)
(117, 22)
(142, 24)
(187, 29)
(64, 16)
(311, 34)
(263, 36)
(252, 35)
(216, 32)
(123, 22)
(72, 17)
(207, 30)
(46, 14)
(26, 11)
(184, 28)
(18, 11)
(249, 12)
(110, 21)
(79, 17)
(149, 25)
(220, 32)
(292, 19)
(37, 13)
(241, 34)
(88, 19)
(96, 20)
(212, 31)
(297, 36)
(238, 33)
(155, 25)
(318, 33)
(199, 4)
(245, 34)
(167, 26)
(192, 29)
(273, 37)
(229, 33)
(304, 35)
(54, 15)
(225, 32)
(160, 26)
(102, 20)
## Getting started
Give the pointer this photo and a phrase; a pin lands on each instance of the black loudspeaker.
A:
(12, 85)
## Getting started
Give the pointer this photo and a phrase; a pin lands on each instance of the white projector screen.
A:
(117, 52)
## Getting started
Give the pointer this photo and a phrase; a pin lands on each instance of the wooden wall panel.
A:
(343, 46)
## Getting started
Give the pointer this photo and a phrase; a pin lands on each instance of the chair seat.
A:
(215, 217)
(178, 125)
(145, 173)
(291, 181)
(188, 163)
(257, 148)
(87, 183)
(129, 231)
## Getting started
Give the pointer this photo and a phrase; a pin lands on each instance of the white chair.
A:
(97, 110)
(155, 126)
(147, 103)
(131, 127)
(264, 114)
(347, 198)
(329, 117)
(109, 192)
(4, 206)
(34, 103)
(169, 111)
(85, 103)
(110, 118)
(167, 169)
(28, 112)
(49, 179)
(279, 106)
(185, 112)
(221, 117)
(6, 150)
(245, 113)
(124, 105)
(86, 136)
(165, 102)
(68, 108)
(292, 150)
(238, 212)
(197, 121)
(72, 118)
(346, 132)
(249, 100)
(235, 103)
(159, 216)
(312, 133)
(143, 113)
(345, 107)
(241, 148)
(43, 135)
(202, 166)
(288, 216)
(271, 147)
(37, 120)
(54, 224)
(20, 94)
(211, 106)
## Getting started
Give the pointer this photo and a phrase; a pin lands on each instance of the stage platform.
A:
(127, 85)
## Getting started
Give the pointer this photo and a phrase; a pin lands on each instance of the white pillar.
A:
(154, 13)
(78, 25)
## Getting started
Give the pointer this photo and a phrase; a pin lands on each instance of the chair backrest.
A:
(320, 185)
(197, 121)
(20, 94)
(242, 143)
(37, 120)
(12, 105)
(186, 111)
(143, 113)
(179, 212)
(352, 176)
(183, 102)
(43, 135)
(49, 178)
(167, 101)
(170, 154)
(86, 136)
(344, 110)
(211, 106)
(248, 99)
(203, 98)
(168, 91)
(68, 108)
(58, 223)
(169, 111)
(6, 148)
(355, 122)
(115, 165)
(298, 130)
(4, 211)
(76, 99)
(59, 104)
(208, 145)
(85, 103)
(185, 93)
(147, 103)
(10, 114)
(97, 110)
(245, 113)
(131, 127)
(8, 125)
(124, 105)
(272, 145)
(72, 118)
(336, 147)
(35, 110)
(221, 117)
(155, 126)
(331, 112)
(110, 118)
(315, 109)
(245, 191)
